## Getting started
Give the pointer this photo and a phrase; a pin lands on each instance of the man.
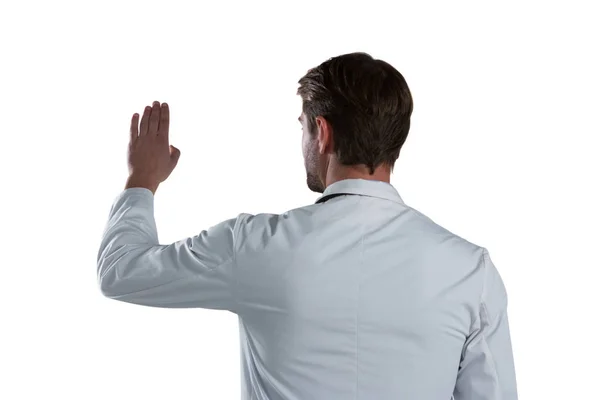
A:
(357, 296)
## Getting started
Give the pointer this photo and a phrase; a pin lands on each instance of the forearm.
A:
(131, 228)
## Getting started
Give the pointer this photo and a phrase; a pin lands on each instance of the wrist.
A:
(140, 181)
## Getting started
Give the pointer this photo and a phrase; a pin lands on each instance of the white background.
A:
(503, 150)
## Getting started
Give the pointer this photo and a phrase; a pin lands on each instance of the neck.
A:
(337, 172)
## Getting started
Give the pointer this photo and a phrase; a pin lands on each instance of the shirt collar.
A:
(364, 187)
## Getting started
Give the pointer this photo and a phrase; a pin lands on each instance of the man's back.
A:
(362, 297)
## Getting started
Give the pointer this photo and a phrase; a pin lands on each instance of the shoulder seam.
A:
(236, 228)
(483, 286)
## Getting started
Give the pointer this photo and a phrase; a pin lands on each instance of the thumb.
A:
(175, 154)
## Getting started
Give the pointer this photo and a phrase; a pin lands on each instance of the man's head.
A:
(355, 118)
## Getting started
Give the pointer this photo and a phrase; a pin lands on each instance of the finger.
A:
(163, 126)
(154, 118)
(134, 127)
(145, 120)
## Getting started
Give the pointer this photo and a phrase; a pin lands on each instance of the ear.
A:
(324, 135)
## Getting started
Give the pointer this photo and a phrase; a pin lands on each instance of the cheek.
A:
(304, 144)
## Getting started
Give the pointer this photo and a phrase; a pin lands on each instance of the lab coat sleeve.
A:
(196, 272)
(487, 370)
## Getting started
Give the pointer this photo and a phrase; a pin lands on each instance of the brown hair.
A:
(366, 101)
